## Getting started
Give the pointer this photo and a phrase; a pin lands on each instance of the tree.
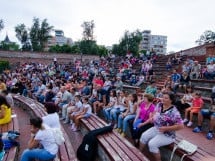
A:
(23, 36)
(207, 37)
(1, 24)
(129, 43)
(39, 34)
(88, 30)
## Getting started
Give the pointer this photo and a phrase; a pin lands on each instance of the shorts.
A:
(195, 109)
(207, 113)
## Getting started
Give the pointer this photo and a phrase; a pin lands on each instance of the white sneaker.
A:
(115, 126)
(189, 124)
(185, 120)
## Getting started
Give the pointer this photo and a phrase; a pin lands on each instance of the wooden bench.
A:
(11, 154)
(66, 151)
(111, 145)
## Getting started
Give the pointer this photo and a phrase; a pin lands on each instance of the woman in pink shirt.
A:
(141, 122)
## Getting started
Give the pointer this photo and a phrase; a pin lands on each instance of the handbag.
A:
(186, 146)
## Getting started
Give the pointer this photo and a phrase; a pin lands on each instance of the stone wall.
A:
(198, 50)
(43, 58)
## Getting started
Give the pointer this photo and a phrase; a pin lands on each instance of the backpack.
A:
(58, 135)
(87, 151)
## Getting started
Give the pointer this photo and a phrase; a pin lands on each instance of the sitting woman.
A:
(129, 114)
(5, 111)
(185, 80)
(186, 100)
(167, 120)
(52, 119)
(40, 135)
(142, 120)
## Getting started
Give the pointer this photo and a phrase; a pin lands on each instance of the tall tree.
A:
(207, 37)
(44, 33)
(88, 30)
(34, 35)
(23, 36)
(1, 24)
(39, 34)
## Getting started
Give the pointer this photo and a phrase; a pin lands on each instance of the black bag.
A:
(88, 149)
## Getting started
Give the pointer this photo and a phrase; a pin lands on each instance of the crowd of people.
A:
(75, 91)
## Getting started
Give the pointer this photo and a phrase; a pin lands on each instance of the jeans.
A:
(107, 113)
(123, 122)
(40, 154)
(114, 114)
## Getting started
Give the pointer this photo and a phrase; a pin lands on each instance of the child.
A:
(110, 105)
(85, 113)
(197, 104)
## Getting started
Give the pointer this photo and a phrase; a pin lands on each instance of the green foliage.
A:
(1, 24)
(102, 50)
(39, 34)
(22, 36)
(4, 65)
(88, 27)
(11, 46)
(207, 37)
(129, 43)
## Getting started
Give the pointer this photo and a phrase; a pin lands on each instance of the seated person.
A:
(184, 81)
(85, 113)
(5, 111)
(164, 132)
(197, 104)
(186, 100)
(40, 135)
(213, 95)
(205, 113)
(142, 122)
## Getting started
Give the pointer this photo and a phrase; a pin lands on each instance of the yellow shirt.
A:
(7, 117)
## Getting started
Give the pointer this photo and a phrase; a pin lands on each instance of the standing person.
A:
(40, 134)
(5, 111)
(129, 114)
(167, 120)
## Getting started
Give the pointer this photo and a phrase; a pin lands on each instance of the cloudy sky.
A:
(183, 21)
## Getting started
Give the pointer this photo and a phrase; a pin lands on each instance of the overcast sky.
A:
(182, 21)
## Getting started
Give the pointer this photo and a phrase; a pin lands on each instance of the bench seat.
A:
(112, 144)
(66, 151)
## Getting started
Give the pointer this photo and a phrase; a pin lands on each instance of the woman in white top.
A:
(52, 119)
(129, 114)
(40, 135)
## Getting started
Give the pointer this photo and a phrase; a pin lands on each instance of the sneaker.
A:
(123, 134)
(209, 136)
(197, 130)
(115, 126)
(189, 124)
(185, 120)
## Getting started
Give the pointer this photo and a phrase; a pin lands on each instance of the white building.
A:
(157, 43)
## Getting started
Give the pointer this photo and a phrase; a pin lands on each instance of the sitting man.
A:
(205, 113)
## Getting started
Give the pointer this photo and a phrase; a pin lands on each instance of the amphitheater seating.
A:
(66, 151)
(11, 155)
(111, 145)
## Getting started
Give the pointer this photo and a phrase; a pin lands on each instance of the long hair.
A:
(3, 101)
